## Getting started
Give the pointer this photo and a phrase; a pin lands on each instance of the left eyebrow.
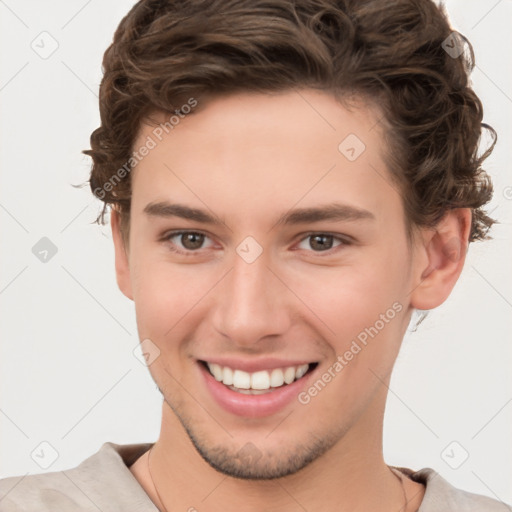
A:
(333, 211)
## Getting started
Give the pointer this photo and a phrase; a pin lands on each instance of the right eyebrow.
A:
(166, 209)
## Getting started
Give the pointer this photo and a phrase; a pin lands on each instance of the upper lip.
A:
(254, 365)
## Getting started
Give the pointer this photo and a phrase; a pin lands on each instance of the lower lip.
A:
(253, 406)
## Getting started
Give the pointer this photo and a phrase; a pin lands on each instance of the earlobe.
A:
(443, 254)
(121, 256)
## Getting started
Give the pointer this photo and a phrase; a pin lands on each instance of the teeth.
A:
(289, 375)
(227, 376)
(276, 378)
(216, 371)
(258, 381)
(241, 379)
(301, 370)
(251, 391)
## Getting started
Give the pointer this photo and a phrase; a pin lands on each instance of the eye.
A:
(322, 242)
(190, 241)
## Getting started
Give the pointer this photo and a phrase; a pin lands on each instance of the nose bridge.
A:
(251, 304)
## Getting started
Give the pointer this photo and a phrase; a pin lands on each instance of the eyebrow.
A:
(332, 211)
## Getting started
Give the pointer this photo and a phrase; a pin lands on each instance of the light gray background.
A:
(68, 373)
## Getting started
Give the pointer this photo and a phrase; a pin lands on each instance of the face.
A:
(297, 254)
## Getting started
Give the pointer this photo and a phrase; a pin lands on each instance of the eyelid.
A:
(166, 237)
(339, 236)
(345, 240)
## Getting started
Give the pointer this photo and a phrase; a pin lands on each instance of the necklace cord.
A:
(153, 482)
(399, 476)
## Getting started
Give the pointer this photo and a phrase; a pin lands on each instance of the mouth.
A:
(259, 382)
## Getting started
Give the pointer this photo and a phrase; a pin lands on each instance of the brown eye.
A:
(185, 242)
(321, 242)
(192, 240)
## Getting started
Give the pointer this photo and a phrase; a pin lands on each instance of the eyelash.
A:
(168, 236)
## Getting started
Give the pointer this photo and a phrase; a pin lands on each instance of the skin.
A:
(248, 158)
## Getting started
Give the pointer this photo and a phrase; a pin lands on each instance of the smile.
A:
(258, 382)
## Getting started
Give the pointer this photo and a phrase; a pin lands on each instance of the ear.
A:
(442, 253)
(121, 256)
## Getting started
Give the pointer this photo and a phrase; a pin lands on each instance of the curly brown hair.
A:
(395, 54)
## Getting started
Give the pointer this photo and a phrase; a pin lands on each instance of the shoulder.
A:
(101, 482)
(45, 492)
(440, 495)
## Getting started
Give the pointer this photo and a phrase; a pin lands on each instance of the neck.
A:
(351, 476)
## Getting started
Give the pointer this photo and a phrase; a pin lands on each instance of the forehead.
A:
(249, 152)
(253, 119)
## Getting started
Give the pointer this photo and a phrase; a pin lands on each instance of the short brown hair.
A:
(390, 52)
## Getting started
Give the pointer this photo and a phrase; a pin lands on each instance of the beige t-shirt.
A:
(103, 482)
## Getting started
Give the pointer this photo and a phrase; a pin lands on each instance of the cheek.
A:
(167, 295)
(359, 307)
(156, 297)
(356, 291)
(342, 301)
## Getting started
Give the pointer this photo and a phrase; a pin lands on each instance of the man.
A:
(288, 182)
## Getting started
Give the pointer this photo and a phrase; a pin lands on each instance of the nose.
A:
(251, 304)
